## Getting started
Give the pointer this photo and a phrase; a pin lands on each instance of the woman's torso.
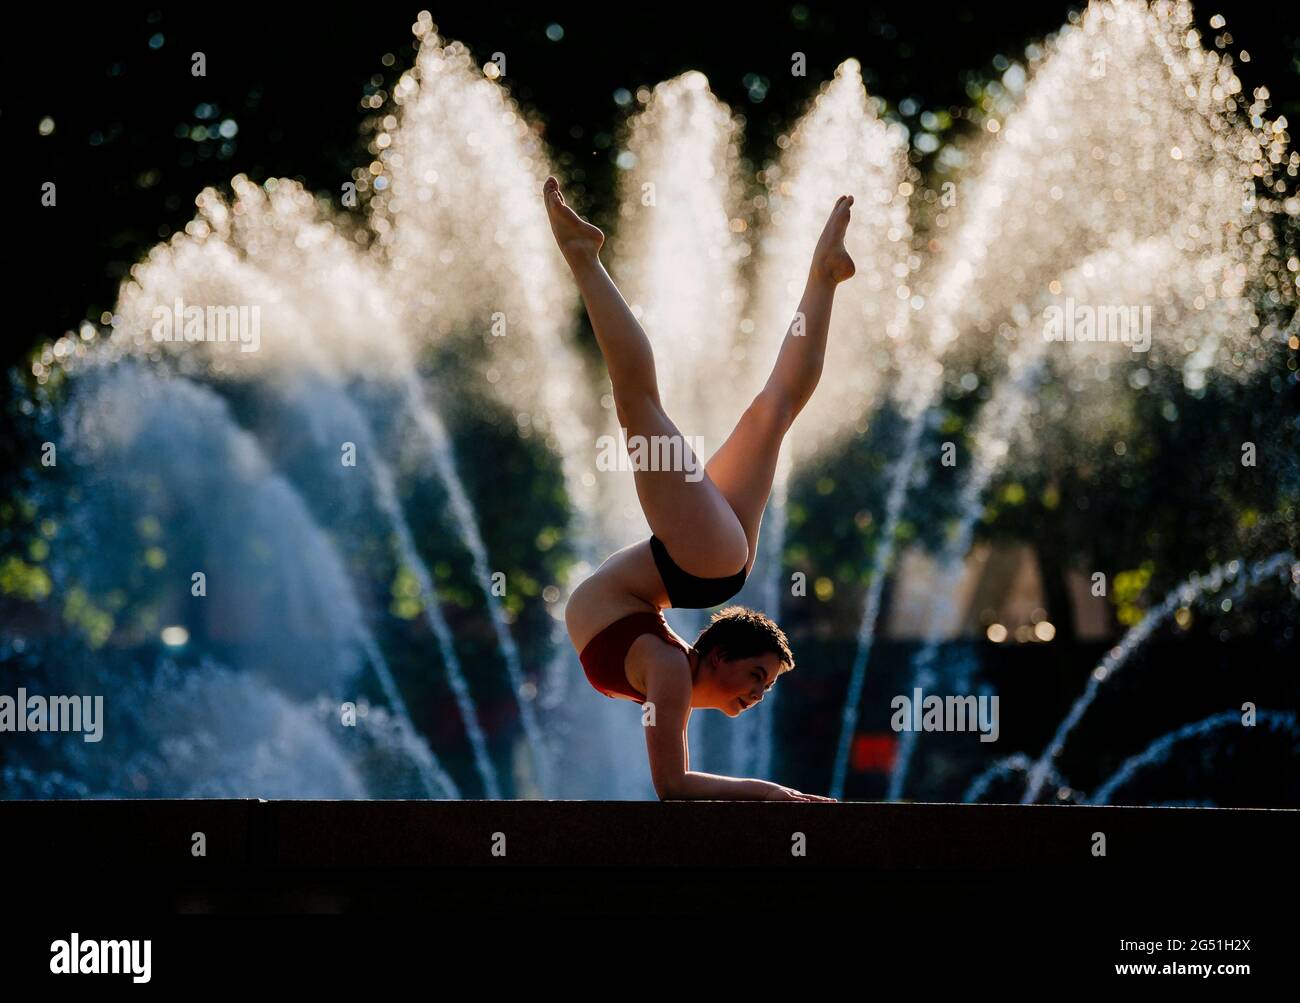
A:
(616, 661)
(626, 583)
(629, 582)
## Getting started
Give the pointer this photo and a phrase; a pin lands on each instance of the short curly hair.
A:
(741, 632)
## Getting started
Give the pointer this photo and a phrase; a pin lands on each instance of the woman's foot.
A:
(578, 239)
(830, 259)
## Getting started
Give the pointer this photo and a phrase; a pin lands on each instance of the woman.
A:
(704, 530)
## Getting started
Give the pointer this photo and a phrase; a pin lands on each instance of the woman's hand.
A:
(779, 793)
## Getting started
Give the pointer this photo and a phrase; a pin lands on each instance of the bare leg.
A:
(692, 517)
(745, 464)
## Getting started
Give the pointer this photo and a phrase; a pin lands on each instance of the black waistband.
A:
(687, 591)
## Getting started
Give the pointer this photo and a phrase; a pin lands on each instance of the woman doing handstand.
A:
(704, 530)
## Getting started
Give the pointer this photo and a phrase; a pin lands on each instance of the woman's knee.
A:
(638, 410)
(774, 409)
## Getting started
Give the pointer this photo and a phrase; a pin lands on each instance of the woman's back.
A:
(626, 583)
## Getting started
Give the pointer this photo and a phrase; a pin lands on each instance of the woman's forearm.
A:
(695, 786)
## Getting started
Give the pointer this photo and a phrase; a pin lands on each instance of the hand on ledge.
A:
(779, 793)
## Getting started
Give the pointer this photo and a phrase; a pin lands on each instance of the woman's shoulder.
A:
(656, 656)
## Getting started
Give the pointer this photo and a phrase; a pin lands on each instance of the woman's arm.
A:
(665, 713)
(711, 787)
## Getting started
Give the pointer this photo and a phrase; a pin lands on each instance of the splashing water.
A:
(753, 741)
(1002, 769)
(323, 310)
(676, 254)
(1158, 751)
(1127, 270)
(1195, 589)
(1157, 218)
(170, 452)
(333, 412)
(461, 225)
(1122, 170)
(432, 776)
(462, 228)
(251, 251)
(838, 147)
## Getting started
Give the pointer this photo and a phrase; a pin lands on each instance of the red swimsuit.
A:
(604, 655)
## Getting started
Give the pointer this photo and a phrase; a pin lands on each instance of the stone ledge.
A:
(882, 837)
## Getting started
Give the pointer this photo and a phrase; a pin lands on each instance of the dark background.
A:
(293, 77)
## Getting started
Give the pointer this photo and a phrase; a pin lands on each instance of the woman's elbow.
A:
(672, 789)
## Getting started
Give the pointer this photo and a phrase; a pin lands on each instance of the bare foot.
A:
(578, 239)
(830, 259)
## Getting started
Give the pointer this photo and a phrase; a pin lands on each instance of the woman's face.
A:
(741, 682)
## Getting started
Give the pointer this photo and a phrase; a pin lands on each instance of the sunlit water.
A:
(1234, 575)
(1120, 176)
(1280, 723)
(1122, 168)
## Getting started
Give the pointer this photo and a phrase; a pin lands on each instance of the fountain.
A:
(1158, 751)
(1195, 589)
(1125, 168)
(171, 453)
(1155, 217)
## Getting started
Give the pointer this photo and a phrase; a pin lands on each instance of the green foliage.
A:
(24, 581)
